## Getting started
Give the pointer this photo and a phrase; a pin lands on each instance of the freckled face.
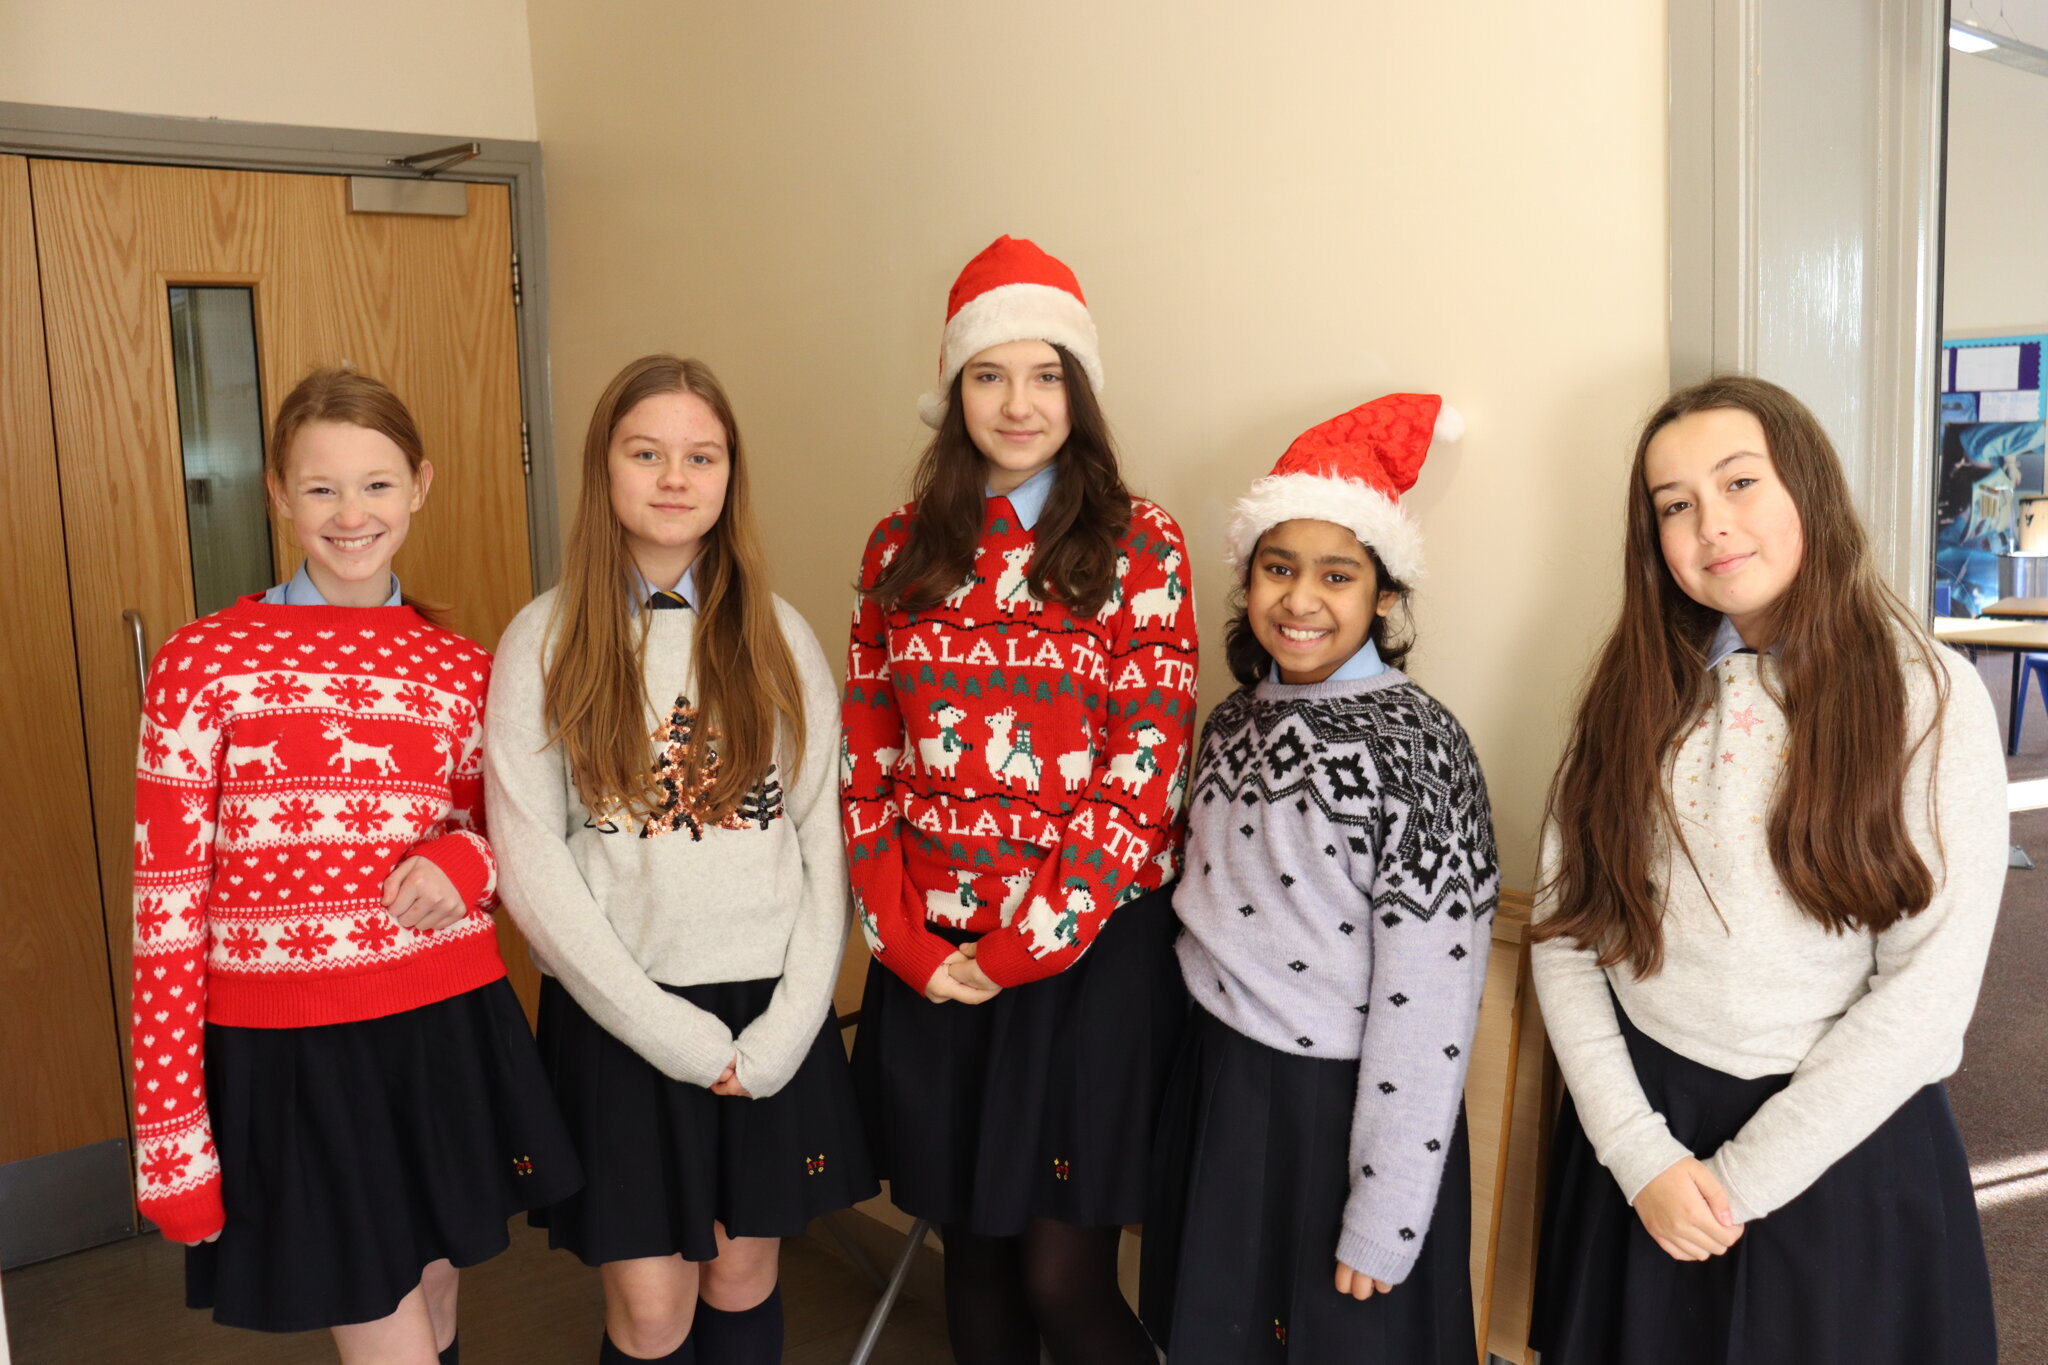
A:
(349, 494)
(1726, 522)
(1312, 598)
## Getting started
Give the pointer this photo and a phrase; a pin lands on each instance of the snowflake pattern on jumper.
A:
(289, 759)
(1011, 768)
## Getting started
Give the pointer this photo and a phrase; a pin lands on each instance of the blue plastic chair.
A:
(2033, 668)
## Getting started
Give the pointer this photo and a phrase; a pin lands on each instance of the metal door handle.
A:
(133, 620)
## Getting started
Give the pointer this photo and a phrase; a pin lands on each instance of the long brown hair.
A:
(746, 680)
(338, 394)
(1836, 831)
(1077, 534)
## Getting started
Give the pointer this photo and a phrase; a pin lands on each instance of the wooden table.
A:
(2015, 634)
(2018, 609)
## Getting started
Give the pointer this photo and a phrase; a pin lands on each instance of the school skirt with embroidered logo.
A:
(1038, 1104)
(1252, 1170)
(664, 1159)
(354, 1155)
(1879, 1262)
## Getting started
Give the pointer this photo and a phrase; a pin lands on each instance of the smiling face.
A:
(670, 462)
(1726, 522)
(349, 494)
(1014, 400)
(1312, 598)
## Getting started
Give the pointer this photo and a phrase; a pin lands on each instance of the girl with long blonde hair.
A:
(666, 798)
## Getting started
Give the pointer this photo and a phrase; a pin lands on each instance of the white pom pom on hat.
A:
(1011, 291)
(1352, 470)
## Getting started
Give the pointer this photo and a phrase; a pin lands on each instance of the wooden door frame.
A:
(38, 130)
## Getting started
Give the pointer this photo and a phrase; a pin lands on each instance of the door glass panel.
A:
(220, 426)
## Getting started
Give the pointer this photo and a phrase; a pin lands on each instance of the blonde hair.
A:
(595, 696)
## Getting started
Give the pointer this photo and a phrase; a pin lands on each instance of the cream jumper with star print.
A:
(1862, 1021)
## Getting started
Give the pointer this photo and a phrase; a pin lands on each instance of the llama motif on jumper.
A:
(351, 752)
(1161, 604)
(886, 759)
(1015, 885)
(845, 763)
(870, 929)
(691, 809)
(1051, 930)
(1134, 769)
(1009, 756)
(941, 752)
(1177, 791)
(959, 595)
(1075, 767)
(1114, 603)
(1012, 591)
(242, 755)
(957, 908)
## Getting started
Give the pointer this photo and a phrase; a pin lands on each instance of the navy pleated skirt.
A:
(1040, 1103)
(664, 1159)
(1240, 1248)
(354, 1155)
(1879, 1262)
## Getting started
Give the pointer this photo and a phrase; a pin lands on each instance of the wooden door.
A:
(60, 1066)
(424, 304)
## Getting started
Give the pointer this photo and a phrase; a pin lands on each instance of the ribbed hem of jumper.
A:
(297, 1000)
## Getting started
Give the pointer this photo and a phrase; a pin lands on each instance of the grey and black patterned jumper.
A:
(1340, 883)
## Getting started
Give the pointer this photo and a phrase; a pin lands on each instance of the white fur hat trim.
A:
(1012, 312)
(1376, 519)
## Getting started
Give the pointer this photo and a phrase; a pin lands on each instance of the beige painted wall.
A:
(458, 67)
(1995, 255)
(1273, 220)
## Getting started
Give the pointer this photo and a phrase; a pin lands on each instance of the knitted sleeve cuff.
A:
(1368, 1257)
(189, 1217)
(914, 953)
(462, 857)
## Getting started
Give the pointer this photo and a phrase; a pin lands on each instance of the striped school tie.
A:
(665, 599)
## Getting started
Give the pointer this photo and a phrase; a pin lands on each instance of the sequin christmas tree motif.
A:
(691, 809)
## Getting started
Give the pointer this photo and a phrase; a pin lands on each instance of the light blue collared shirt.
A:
(686, 587)
(1027, 499)
(1727, 640)
(298, 591)
(1366, 663)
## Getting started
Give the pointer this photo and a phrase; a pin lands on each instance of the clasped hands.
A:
(961, 978)
(1685, 1211)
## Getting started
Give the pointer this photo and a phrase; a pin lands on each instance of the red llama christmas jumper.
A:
(1012, 769)
(291, 757)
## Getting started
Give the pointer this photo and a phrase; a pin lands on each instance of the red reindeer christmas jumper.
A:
(291, 757)
(1011, 769)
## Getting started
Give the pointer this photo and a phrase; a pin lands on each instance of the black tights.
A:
(1056, 1282)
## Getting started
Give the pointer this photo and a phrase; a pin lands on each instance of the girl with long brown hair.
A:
(1020, 695)
(665, 798)
(1772, 863)
(312, 923)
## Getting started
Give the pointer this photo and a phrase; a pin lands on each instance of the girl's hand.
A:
(728, 1082)
(1358, 1284)
(945, 986)
(1685, 1211)
(968, 972)
(209, 1237)
(418, 895)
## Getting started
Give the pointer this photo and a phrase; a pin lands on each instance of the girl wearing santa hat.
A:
(1019, 700)
(1775, 853)
(1311, 1197)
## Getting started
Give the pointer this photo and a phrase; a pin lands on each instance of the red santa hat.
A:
(1352, 470)
(1012, 291)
